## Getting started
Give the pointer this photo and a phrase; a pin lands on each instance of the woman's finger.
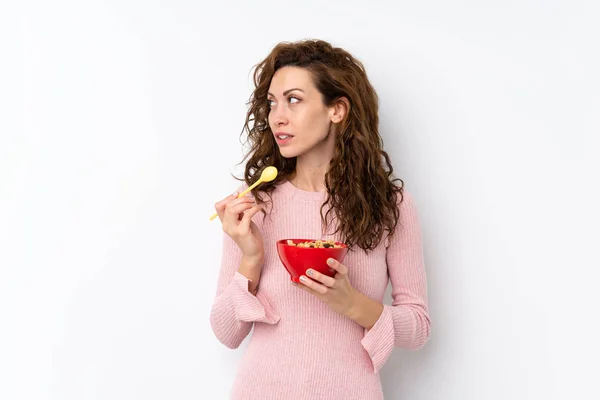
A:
(305, 288)
(235, 202)
(220, 205)
(315, 286)
(236, 207)
(231, 200)
(232, 216)
(338, 266)
(248, 214)
(319, 277)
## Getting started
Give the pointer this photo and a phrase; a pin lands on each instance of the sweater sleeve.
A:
(406, 322)
(235, 309)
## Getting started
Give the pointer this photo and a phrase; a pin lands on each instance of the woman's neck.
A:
(310, 174)
(310, 181)
(312, 166)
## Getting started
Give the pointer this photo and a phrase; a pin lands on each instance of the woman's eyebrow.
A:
(286, 92)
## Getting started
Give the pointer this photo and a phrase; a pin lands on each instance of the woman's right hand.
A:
(236, 217)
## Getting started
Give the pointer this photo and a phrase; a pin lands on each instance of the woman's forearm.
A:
(365, 311)
(251, 269)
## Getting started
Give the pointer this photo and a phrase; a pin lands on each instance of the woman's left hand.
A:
(335, 291)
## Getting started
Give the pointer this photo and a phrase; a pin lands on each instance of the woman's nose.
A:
(278, 116)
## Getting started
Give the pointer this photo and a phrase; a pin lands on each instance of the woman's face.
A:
(298, 118)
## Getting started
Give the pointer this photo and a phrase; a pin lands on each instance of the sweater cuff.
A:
(250, 308)
(379, 340)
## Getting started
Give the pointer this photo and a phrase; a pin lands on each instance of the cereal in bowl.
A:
(316, 244)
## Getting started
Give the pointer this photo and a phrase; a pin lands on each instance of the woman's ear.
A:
(339, 110)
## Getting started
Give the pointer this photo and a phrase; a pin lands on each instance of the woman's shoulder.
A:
(405, 200)
(407, 214)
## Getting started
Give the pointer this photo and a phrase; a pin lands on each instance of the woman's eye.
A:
(270, 103)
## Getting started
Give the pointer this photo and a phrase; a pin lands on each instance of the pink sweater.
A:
(300, 349)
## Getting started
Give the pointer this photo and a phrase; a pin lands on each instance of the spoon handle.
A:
(240, 195)
(255, 184)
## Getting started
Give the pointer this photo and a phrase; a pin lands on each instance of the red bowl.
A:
(297, 260)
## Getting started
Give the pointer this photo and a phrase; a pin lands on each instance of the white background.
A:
(120, 122)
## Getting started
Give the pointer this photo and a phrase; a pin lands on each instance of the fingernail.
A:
(303, 278)
(309, 272)
(330, 261)
(235, 194)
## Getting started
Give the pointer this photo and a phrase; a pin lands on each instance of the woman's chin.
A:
(287, 153)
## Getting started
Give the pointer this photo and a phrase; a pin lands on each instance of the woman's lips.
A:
(283, 138)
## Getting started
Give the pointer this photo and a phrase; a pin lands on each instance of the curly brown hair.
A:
(361, 190)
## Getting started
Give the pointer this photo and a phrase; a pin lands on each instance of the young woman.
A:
(314, 116)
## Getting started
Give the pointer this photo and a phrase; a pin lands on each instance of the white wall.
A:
(119, 130)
